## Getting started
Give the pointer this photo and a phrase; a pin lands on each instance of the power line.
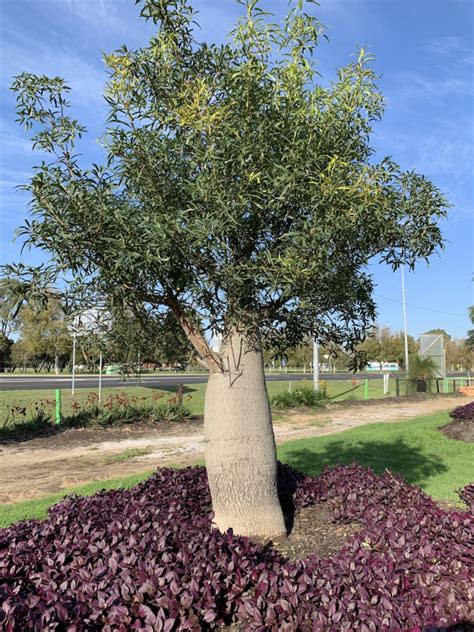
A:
(426, 309)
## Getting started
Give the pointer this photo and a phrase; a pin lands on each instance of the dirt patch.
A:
(58, 462)
(341, 416)
(314, 533)
(460, 430)
(60, 438)
(51, 464)
(28, 481)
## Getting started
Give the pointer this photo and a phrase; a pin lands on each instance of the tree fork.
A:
(209, 359)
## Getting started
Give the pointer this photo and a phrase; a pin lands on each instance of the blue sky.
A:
(424, 52)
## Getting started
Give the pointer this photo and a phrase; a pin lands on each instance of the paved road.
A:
(48, 382)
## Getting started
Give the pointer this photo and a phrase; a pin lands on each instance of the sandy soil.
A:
(54, 463)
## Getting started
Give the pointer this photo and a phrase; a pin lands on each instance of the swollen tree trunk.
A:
(240, 447)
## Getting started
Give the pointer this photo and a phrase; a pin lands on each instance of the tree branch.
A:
(208, 357)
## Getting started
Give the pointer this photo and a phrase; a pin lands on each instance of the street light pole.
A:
(407, 362)
(100, 378)
(73, 359)
(315, 365)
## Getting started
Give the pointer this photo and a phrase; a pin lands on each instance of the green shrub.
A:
(20, 425)
(171, 411)
(127, 414)
(302, 396)
(422, 371)
(38, 423)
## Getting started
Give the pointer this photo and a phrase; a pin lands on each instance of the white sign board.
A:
(432, 346)
(93, 320)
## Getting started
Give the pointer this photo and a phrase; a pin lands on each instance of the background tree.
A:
(20, 356)
(133, 337)
(89, 347)
(44, 335)
(470, 333)
(5, 352)
(144, 336)
(20, 289)
(10, 304)
(240, 195)
(384, 345)
(459, 356)
(302, 355)
(441, 332)
(394, 348)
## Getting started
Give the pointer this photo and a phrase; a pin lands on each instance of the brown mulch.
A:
(411, 398)
(58, 437)
(314, 533)
(460, 430)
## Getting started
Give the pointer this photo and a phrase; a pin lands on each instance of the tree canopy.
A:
(134, 339)
(237, 190)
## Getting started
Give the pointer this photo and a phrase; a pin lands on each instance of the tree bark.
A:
(240, 447)
(56, 364)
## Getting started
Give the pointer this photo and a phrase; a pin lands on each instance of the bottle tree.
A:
(239, 194)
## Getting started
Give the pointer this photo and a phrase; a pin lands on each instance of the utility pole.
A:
(100, 379)
(74, 335)
(315, 365)
(407, 364)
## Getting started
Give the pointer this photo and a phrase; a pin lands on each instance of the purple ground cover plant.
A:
(467, 495)
(148, 559)
(465, 412)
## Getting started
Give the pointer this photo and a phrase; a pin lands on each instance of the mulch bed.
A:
(58, 437)
(412, 398)
(314, 532)
(460, 430)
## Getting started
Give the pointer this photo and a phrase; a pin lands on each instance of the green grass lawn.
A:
(39, 508)
(414, 449)
(193, 396)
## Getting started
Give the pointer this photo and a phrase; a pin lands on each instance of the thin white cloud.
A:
(85, 80)
(21, 53)
(9, 185)
(449, 46)
(14, 143)
(10, 179)
(441, 148)
(116, 21)
(446, 74)
(445, 149)
(412, 86)
(13, 177)
(101, 15)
